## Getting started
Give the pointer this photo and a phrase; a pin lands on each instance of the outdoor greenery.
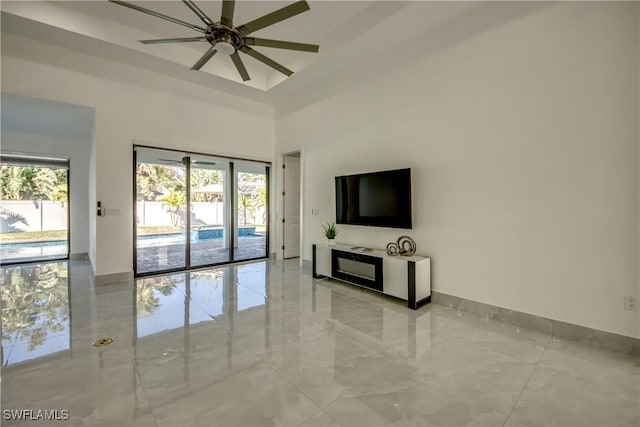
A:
(28, 183)
(252, 194)
(167, 184)
(33, 183)
(155, 181)
(35, 302)
(174, 202)
(9, 221)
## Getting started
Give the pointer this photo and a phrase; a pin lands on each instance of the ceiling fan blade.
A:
(159, 15)
(270, 62)
(227, 13)
(281, 44)
(178, 40)
(205, 58)
(237, 61)
(274, 17)
(203, 16)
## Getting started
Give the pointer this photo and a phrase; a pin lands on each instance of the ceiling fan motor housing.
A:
(225, 40)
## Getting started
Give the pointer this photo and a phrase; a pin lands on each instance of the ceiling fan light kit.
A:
(226, 39)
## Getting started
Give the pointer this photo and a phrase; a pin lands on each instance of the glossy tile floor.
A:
(265, 344)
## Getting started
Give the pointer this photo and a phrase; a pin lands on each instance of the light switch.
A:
(315, 211)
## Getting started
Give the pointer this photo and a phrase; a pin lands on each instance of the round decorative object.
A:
(392, 249)
(406, 246)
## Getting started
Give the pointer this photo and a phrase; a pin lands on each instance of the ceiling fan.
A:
(228, 39)
(184, 161)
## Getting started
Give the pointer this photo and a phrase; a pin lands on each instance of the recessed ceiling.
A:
(347, 32)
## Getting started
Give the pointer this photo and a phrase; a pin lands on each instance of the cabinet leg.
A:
(412, 302)
(313, 263)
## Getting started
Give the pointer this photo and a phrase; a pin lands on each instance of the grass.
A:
(29, 236)
(162, 229)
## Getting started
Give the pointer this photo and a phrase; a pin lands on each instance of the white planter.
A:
(331, 242)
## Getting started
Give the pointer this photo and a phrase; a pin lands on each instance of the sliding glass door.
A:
(210, 225)
(195, 210)
(161, 204)
(34, 208)
(251, 207)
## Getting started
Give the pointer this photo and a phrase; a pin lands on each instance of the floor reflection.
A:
(159, 304)
(175, 301)
(184, 328)
(35, 311)
(266, 344)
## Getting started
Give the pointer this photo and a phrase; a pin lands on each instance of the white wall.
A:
(159, 110)
(523, 141)
(77, 149)
(92, 201)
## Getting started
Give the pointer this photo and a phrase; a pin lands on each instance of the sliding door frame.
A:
(42, 160)
(232, 217)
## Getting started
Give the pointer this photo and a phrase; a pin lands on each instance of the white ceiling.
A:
(348, 32)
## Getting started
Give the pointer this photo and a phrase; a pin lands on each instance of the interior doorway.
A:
(34, 208)
(291, 205)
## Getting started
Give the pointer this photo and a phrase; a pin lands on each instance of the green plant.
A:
(330, 230)
(174, 201)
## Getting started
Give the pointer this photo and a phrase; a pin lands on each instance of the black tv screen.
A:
(381, 199)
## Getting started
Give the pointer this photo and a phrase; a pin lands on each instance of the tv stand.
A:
(407, 278)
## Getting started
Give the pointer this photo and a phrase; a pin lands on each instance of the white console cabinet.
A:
(407, 278)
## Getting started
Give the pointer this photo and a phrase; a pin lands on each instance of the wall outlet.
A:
(630, 303)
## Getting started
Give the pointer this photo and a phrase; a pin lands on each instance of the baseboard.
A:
(105, 279)
(555, 328)
(80, 256)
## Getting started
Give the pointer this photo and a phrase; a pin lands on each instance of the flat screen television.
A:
(379, 199)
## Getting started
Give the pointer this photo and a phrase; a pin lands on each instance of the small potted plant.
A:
(330, 232)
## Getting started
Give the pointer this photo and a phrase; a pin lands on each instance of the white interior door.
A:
(292, 206)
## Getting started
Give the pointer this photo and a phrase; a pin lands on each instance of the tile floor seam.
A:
(344, 392)
(294, 386)
(286, 379)
(535, 366)
(144, 390)
(307, 419)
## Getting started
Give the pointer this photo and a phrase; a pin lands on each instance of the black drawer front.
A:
(363, 270)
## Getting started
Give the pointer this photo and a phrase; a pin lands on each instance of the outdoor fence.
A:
(49, 215)
(155, 214)
(45, 215)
